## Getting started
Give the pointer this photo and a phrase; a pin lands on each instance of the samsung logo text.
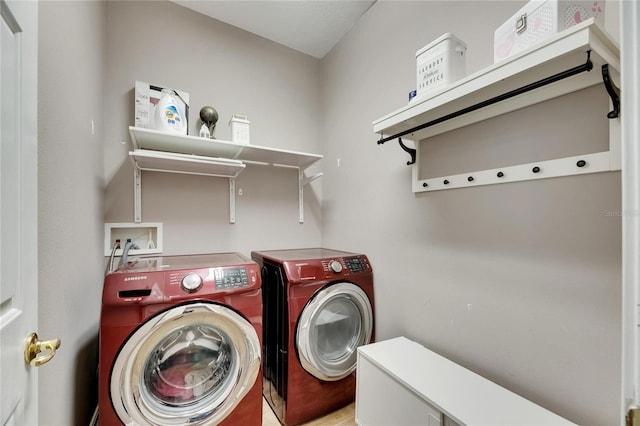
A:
(138, 278)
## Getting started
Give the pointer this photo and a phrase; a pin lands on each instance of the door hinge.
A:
(633, 417)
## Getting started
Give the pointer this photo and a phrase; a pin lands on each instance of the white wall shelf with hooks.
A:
(172, 153)
(577, 58)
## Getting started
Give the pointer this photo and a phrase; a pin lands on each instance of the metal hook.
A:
(410, 151)
(612, 91)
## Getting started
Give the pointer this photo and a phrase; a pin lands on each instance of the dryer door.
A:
(337, 320)
(189, 365)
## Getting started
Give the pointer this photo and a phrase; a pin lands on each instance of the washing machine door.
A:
(332, 325)
(189, 365)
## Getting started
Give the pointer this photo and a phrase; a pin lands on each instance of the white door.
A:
(332, 325)
(18, 209)
(630, 107)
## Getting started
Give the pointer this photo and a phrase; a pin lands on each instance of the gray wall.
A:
(519, 282)
(71, 72)
(236, 72)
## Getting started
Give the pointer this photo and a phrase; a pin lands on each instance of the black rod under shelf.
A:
(587, 66)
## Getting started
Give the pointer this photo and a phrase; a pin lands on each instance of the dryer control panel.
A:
(303, 266)
(345, 265)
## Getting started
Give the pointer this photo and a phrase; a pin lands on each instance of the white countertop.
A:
(462, 395)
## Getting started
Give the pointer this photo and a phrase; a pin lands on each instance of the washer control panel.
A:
(356, 264)
(211, 280)
(228, 278)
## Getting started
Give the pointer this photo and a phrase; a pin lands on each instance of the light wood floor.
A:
(344, 417)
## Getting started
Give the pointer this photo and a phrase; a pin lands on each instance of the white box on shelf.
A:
(147, 97)
(540, 19)
(240, 129)
(439, 64)
(147, 236)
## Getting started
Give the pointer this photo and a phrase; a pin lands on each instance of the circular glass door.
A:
(189, 365)
(337, 320)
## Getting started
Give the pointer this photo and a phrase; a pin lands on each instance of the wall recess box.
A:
(147, 236)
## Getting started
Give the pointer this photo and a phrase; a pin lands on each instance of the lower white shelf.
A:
(158, 161)
(172, 162)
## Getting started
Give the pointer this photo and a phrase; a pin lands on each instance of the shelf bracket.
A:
(586, 67)
(232, 200)
(410, 151)
(612, 90)
(303, 180)
(137, 194)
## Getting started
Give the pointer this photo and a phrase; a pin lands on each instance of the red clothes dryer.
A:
(180, 342)
(318, 308)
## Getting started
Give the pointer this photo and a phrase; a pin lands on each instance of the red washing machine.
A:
(180, 342)
(318, 308)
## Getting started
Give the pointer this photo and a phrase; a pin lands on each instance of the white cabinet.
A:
(383, 400)
(173, 153)
(579, 57)
(400, 382)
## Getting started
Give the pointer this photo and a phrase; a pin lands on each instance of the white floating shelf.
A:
(565, 50)
(166, 152)
(471, 100)
(182, 144)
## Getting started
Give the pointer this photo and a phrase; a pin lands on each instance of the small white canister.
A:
(239, 129)
(439, 64)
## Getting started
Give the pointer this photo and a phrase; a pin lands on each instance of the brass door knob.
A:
(39, 352)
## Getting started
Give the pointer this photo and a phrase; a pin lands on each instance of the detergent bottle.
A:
(168, 117)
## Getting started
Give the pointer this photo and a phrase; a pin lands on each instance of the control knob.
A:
(335, 266)
(191, 283)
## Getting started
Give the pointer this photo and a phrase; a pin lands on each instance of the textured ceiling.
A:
(309, 26)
